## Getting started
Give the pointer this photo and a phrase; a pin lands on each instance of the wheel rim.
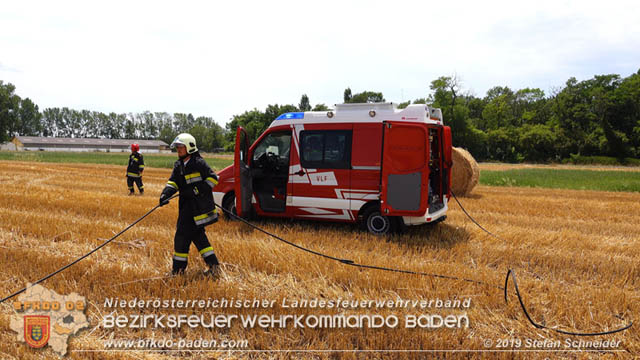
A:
(378, 224)
(231, 206)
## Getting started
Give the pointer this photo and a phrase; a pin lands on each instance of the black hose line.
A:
(510, 272)
(87, 254)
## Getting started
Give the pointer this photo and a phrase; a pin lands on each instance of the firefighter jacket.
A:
(195, 181)
(136, 165)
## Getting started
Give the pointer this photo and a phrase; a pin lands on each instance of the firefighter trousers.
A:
(138, 181)
(187, 232)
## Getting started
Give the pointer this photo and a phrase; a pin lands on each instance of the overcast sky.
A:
(215, 58)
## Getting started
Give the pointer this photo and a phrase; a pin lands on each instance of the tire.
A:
(229, 204)
(376, 223)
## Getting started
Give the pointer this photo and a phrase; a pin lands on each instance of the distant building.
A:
(37, 143)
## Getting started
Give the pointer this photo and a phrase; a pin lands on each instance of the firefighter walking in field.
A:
(194, 179)
(135, 169)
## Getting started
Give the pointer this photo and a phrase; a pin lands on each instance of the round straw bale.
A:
(464, 173)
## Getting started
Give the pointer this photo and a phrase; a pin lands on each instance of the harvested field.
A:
(576, 255)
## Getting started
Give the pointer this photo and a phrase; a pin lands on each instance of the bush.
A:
(536, 142)
(502, 145)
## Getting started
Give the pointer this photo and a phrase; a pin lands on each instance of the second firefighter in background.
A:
(135, 169)
(195, 180)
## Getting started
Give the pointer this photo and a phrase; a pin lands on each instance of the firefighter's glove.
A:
(164, 199)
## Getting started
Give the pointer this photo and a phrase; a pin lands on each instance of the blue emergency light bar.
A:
(291, 115)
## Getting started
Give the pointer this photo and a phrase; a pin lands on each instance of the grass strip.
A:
(121, 158)
(564, 179)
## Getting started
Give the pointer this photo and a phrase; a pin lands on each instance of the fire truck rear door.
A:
(405, 169)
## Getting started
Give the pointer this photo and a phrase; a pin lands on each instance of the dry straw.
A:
(465, 172)
(576, 253)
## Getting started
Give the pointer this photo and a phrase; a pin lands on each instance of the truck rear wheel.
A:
(376, 223)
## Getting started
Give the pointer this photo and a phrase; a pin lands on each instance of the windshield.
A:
(277, 144)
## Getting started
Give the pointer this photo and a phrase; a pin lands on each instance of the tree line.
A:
(594, 117)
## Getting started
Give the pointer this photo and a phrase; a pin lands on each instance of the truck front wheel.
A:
(229, 204)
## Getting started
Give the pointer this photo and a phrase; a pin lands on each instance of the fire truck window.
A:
(312, 147)
(277, 144)
(329, 149)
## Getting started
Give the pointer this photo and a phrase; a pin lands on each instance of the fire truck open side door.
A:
(242, 174)
(405, 169)
(448, 160)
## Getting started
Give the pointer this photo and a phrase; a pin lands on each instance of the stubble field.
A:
(576, 255)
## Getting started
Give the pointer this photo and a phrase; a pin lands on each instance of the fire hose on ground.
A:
(510, 272)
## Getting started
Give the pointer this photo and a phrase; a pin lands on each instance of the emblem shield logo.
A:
(36, 330)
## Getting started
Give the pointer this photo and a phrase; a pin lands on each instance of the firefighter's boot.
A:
(175, 272)
(213, 272)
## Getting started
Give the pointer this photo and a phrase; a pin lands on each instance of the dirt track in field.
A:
(504, 166)
(576, 254)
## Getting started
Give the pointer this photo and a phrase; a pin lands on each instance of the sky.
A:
(222, 58)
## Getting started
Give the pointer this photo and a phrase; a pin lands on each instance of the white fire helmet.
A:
(187, 140)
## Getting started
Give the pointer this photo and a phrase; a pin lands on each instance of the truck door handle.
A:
(300, 173)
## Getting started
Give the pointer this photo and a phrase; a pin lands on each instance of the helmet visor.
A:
(176, 142)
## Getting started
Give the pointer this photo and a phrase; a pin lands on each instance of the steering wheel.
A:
(273, 161)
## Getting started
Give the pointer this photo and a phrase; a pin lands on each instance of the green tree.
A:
(623, 117)
(499, 112)
(304, 103)
(347, 95)
(597, 115)
(501, 145)
(537, 142)
(445, 92)
(130, 127)
(30, 118)
(182, 122)
(403, 105)
(208, 134)
(49, 122)
(529, 106)
(367, 97)
(9, 111)
(255, 122)
(320, 107)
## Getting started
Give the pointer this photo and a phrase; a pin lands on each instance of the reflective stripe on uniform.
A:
(200, 217)
(141, 166)
(133, 174)
(206, 252)
(180, 256)
(212, 182)
(206, 218)
(191, 178)
(172, 184)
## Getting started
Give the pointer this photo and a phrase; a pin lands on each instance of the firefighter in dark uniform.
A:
(135, 169)
(195, 180)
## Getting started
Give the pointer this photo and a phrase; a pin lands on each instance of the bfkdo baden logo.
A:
(44, 317)
(36, 330)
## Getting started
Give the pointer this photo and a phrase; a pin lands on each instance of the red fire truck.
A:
(373, 163)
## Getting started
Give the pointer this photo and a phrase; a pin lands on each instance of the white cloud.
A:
(219, 59)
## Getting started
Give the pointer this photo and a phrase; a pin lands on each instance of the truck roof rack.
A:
(366, 106)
